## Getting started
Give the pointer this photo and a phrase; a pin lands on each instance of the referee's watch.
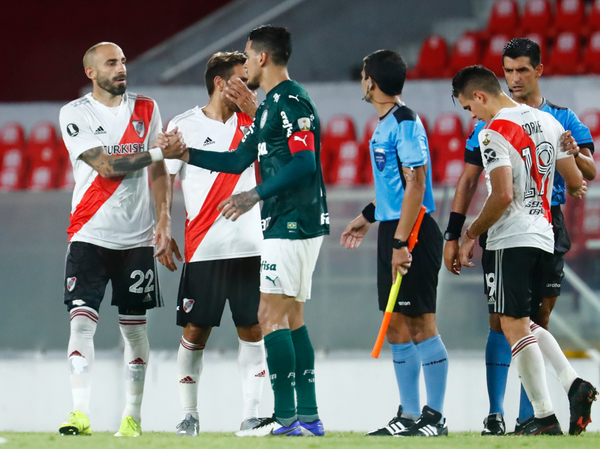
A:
(449, 236)
(397, 243)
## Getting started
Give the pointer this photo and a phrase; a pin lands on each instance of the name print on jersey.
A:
(124, 148)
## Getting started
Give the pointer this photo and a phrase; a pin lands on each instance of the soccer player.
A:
(285, 136)
(222, 258)
(520, 151)
(522, 63)
(111, 233)
(402, 172)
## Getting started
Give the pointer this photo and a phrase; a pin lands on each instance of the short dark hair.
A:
(274, 40)
(521, 46)
(388, 70)
(475, 77)
(221, 64)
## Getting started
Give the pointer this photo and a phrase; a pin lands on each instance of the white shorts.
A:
(287, 266)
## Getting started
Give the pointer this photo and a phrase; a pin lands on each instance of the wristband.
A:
(455, 224)
(369, 213)
(156, 154)
(397, 243)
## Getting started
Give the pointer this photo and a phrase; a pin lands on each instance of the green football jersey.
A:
(299, 212)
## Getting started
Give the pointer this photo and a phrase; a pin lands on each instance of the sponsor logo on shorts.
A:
(71, 283)
(266, 266)
(188, 304)
(325, 218)
(404, 303)
(78, 302)
(147, 298)
(553, 285)
(272, 280)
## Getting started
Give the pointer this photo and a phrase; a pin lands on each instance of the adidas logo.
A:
(261, 374)
(137, 361)
(187, 380)
(78, 354)
(208, 141)
(100, 130)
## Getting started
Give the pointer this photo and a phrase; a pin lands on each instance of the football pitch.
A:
(160, 440)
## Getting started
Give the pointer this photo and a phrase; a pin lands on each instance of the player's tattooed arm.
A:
(238, 204)
(113, 166)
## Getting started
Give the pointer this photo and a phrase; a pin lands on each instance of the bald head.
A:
(90, 60)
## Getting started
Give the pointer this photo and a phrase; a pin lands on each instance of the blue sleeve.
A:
(411, 144)
(580, 132)
(472, 152)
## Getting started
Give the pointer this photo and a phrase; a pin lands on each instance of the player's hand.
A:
(238, 204)
(581, 192)
(401, 260)
(162, 236)
(161, 142)
(568, 144)
(355, 232)
(167, 258)
(176, 147)
(465, 252)
(451, 259)
(245, 99)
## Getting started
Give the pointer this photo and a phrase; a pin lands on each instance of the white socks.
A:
(189, 363)
(137, 350)
(551, 350)
(529, 361)
(252, 366)
(84, 321)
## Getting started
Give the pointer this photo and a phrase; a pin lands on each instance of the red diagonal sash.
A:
(222, 188)
(101, 188)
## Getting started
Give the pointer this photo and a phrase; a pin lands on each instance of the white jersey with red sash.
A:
(527, 140)
(115, 213)
(208, 235)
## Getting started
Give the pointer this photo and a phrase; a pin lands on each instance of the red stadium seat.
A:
(425, 123)
(44, 157)
(339, 129)
(433, 58)
(12, 136)
(537, 17)
(541, 41)
(570, 15)
(347, 169)
(591, 55)
(11, 178)
(446, 147)
(565, 56)
(365, 156)
(591, 119)
(503, 17)
(492, 58)
(467, 50)
(593, 21)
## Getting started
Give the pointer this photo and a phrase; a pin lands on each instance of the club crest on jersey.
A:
(244, 129)
(379, 158)
(263, 119)
(71, 283)
(139, 127)
(188, 304)
(304, 124)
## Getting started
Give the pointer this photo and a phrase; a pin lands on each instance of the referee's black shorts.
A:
(418, 290)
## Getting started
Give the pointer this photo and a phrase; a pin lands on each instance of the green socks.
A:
(305, 376)
(282, 368)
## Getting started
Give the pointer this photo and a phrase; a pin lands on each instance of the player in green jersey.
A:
(285, 136)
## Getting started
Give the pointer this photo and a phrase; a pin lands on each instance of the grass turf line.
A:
(337, 440)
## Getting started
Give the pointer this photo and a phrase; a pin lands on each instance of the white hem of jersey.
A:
(110, 245)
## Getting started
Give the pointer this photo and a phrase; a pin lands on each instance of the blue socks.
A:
(525, 407)
(407, 365)
(434, 359)
(497, 361)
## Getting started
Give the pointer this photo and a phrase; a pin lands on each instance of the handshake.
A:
(172, 145)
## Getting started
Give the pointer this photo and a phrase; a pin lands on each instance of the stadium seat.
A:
(591, 119)
(11, 178)
(433, 58)
(504, 16)
(492, 58)
(347, 169)
(466, 51)
(446, 147)
(13, 161)
(44, 157)
(593, 20)
(591, 55)
(365, 156)
(541, 41)
(537, 18)
(12, 136)
(570, 15)
(565, 56)
(339, 129)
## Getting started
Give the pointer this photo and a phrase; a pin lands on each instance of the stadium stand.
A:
(42, 150)
(570, 15)
(446, 144)
(492, 57)
(504, 16)
(591, 54)
(346, 171)
(12, 156)
(565, 55)
(466, 51)
(339, 129)
(433, 59)
(537, 18)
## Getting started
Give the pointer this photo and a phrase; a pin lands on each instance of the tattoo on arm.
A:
(109, 166)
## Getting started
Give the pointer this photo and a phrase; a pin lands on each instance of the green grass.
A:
(159, 440)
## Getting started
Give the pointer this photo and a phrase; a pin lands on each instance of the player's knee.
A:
(495, 322)
(197, 335)
(542, 319)
(250, 333)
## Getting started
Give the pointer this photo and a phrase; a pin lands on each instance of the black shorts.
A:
(418, 290)
(512, 279)
(206, 285)
(132, 273)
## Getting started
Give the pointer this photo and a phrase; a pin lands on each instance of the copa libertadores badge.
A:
(72, 129)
